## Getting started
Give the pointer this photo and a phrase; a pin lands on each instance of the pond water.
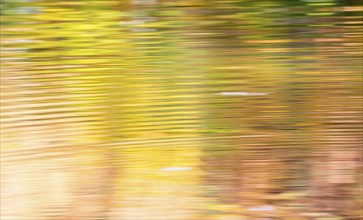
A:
(181, 110)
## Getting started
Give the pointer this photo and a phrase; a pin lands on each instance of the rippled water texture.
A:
(181, 109)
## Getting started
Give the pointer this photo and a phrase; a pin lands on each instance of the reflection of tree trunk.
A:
(108, 183)
(334, 172)
(245, 175)
(334, 182)
(92, 185)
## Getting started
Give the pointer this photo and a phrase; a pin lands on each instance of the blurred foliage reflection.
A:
(181, 109)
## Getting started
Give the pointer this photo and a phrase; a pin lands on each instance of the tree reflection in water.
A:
(181, 110)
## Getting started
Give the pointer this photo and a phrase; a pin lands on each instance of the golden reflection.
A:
(181, 110)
